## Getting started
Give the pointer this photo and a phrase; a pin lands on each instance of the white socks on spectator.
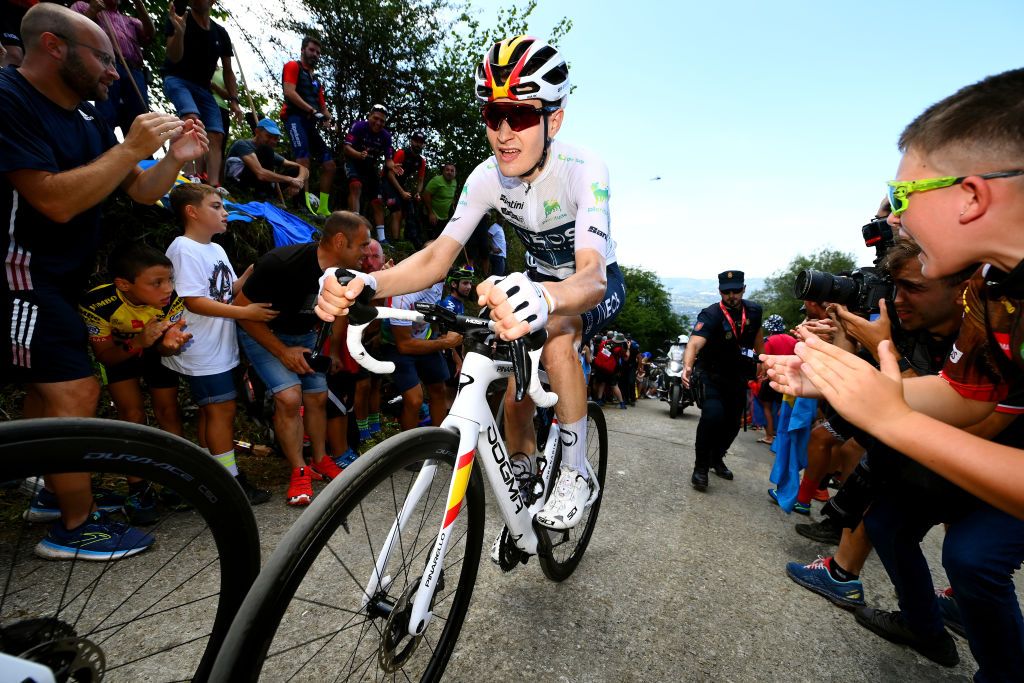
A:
(228, 460)
(574, 446)
(380, 233)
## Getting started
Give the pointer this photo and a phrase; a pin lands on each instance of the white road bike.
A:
(366, 586)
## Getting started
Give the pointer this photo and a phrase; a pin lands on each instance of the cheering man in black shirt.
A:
(727, 338)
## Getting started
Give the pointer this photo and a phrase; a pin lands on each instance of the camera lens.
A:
(814, 285)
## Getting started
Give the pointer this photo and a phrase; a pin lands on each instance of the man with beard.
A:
(723, 343)
(305, 108)
(58, 163)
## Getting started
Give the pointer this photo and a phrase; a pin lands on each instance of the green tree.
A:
(647, 314)
(777, 293)
(451, 103)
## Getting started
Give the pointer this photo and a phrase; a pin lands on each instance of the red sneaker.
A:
(300, 490)
(326, 468)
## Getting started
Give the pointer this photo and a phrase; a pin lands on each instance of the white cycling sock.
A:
(380, 233)
(574, 445)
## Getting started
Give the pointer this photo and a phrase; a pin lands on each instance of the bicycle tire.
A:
(136, 644)
(260, 640)
(560, 552)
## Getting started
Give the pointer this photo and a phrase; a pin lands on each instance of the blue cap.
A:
(269, 126)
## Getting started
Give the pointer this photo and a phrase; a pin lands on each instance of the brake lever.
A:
(522, 366)
(360, 312)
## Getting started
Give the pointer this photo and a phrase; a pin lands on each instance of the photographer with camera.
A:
(928, 318)
(724, 344)
(288, 278)
(963, 159)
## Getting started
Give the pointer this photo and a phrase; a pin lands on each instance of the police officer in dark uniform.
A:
(724, 343)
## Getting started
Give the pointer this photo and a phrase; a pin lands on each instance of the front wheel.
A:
(675, 401)
(309, 614)
(561, 551)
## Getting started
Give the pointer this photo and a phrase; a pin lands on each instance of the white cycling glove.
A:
(332, 272)
(529, 300)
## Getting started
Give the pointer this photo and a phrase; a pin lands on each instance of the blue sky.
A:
(771, 125)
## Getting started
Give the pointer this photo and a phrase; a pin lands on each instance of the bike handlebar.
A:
(525, 351)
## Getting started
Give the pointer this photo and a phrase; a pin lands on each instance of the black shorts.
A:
(147, 367)
(428, 368)
(341, 393)
(367, 175)
(602, 315)
(46, 339)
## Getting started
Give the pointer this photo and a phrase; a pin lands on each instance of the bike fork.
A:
(421, 613)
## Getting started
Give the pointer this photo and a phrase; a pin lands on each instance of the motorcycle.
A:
(671, 387)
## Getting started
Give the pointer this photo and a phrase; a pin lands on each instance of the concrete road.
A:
(676, 585)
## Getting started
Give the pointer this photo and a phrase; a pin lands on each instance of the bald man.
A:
(58, 163)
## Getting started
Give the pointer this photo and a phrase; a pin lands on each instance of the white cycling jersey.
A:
(564, 210)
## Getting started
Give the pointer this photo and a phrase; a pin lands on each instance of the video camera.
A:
(860, 289)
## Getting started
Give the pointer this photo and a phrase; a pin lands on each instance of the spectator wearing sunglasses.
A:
(959, 194)
(556, 198)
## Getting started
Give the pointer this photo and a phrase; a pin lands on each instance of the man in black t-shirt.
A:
(194, 44)
(724, 344)
(255, 165)
(58, 163)
(288, 278)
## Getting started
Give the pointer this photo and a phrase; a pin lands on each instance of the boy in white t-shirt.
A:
(206, 283)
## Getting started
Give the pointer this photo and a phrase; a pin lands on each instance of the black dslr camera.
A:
(859, 290)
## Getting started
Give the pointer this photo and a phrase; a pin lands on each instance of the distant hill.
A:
(690, 295)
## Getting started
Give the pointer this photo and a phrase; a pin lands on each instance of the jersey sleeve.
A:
(592, 193)
(263, 279)
(970, 368)
(423, 169)
(190, 275)
(350, 137)
(477, 199)
(291, 73)
(225, 48)
(705, 324)
(21, 144)
(98, 327)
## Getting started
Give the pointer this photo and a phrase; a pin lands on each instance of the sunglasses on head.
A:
(519, 116)
(900, 190)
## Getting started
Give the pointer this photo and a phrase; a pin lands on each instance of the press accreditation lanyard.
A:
(743, 320)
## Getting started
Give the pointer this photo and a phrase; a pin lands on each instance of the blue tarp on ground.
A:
(790, 446)
(288, 228)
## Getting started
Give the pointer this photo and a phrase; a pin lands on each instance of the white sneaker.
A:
(565, 506)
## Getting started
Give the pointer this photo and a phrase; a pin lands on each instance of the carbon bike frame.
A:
(470, 417)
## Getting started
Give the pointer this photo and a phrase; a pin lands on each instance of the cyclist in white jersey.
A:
(556, 198)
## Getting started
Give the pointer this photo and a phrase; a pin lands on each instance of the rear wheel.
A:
(308, 614)
(160, 614)
(560, 552)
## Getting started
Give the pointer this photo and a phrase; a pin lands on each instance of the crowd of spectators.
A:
(175, 320)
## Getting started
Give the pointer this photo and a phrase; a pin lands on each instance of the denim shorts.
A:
(207, 389)
(274, 374)
(192, 98)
